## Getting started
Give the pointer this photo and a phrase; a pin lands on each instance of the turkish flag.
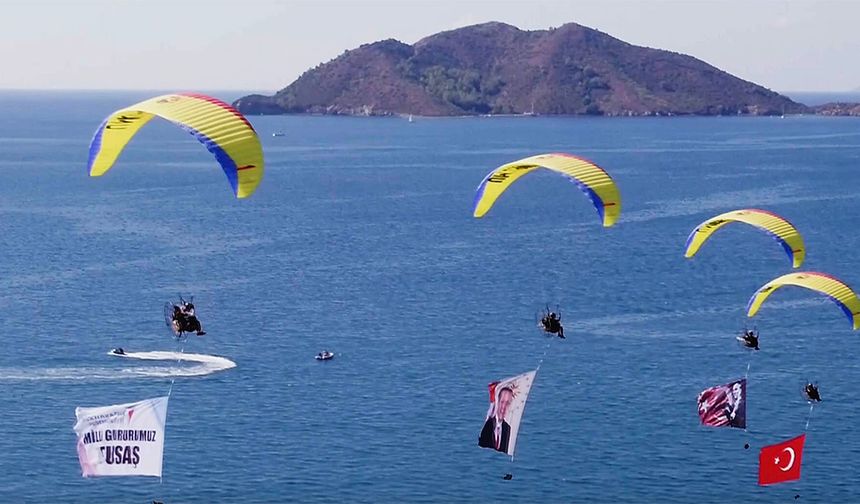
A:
(780, 462)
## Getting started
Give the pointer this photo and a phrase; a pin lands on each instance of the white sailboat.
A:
(532, 112)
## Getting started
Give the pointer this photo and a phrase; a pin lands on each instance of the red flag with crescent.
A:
(781, 462)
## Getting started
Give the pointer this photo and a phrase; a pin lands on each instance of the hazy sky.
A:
(797, 45)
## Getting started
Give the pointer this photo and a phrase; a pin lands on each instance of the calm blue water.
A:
(361, 240)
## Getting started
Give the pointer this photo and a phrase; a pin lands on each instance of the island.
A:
(497, 69)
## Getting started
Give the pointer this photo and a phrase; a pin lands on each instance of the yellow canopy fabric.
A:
(779, 228)
(832, 287)
(590, 178)
(221, 128)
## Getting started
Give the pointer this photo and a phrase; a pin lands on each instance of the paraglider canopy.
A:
(832, 287)
(589, 177)
(780, 229)
(221, 128)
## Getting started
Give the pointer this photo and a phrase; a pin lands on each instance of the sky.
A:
(263, 45)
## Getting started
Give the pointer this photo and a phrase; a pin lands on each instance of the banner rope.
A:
(178, 361)
(170, 391)
(809, 416)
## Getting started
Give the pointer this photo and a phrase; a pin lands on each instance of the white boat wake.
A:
(200, 365)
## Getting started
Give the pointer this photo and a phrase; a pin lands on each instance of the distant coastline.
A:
(816, 98)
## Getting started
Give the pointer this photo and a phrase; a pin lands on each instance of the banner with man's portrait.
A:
(724, 405)
(507, 402)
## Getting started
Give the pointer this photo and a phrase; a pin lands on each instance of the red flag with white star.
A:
(780, 462)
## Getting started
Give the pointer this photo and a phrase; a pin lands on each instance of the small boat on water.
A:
(325, 355)
(278, 134)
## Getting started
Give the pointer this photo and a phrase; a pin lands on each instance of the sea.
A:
(360, 240)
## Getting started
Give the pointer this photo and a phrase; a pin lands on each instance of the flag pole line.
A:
(746, 376)
(809, 417)
(170, 391)
(542, 357)
(540, 363)
(178, 361)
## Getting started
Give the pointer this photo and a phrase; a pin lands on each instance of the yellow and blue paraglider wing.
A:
(589, 177)
(780, 230)
(830, 286)
(217, 125)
